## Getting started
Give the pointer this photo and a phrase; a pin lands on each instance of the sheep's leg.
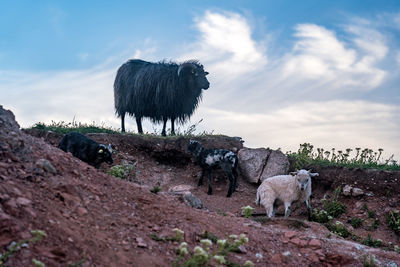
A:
(209, 192)
(309, 209)
(163, 133)
(139, 125)
(287, 210)
(200, 182)
(123, 123)
(172, 126)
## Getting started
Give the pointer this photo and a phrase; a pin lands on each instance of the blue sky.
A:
(281, 72)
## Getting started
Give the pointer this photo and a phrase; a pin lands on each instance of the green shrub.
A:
(121, 171)
(155, 189)
(369, 241)
(334, 207)
(339, 229)
(320, 216)
(247, 211)
(371, 214)
(393, 220)
(370, 262)
(356, 222)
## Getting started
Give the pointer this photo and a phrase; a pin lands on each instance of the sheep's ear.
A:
(186, 68)
(314, 174)
(293, 173)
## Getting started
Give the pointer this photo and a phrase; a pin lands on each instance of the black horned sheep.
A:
(86, 149)
(160, 91)
(209, 159)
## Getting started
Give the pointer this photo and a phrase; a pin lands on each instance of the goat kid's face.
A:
(193, 146)
(104, 153)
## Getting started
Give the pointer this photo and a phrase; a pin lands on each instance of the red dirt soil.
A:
(95, 219)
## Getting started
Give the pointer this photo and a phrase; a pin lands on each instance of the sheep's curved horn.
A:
(184, 66)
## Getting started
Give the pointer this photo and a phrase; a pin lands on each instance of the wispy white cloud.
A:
(225, 42)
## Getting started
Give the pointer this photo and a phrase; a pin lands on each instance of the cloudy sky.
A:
(281, 72)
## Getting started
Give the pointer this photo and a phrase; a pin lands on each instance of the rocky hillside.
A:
(93, 219)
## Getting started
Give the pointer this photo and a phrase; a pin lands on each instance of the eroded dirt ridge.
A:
(93, 219)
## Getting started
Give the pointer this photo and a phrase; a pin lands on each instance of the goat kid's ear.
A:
(293, 173)
(314, 174)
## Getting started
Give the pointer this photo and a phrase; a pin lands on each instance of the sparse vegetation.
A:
(38, 263)
(363, 158)
(368, 262)
(14, 246)
(247, 211)
(356, 222)
(369, 241)
(320, 216)
(371, 214)
(211, 252)
(63, 127)
(334, 207)
(122, 171)
(155, 189)
(339, 229)
(393, 220)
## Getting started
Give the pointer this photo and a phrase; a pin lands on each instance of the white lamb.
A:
(285, 188)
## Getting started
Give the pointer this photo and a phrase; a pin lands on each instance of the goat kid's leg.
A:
(209, 192)
(123, 123)
(200, 182)
(236, 175)
(172, 126)
(287, 210)
(164, 133)
(139, 125)
(231, 183)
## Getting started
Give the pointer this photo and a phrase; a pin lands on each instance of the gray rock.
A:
(192, 200)
(252, 162)
(257, 164)
(347, 190)
(277, 164)
(357, 192)
(46, 165)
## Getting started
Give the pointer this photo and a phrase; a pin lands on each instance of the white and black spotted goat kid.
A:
(209, 159)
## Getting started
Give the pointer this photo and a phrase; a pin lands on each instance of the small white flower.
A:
(243, 239)
(233, 236)
(183, 245)
(206, 242)
(221, 242)
(219, 259)
(248, 264)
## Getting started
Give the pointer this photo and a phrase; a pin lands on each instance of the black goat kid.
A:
(86, 149)
(209, 159)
